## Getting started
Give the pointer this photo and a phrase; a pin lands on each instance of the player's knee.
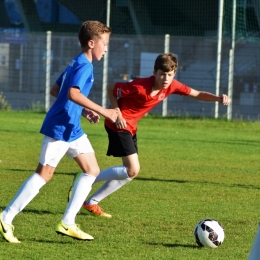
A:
(47, 176)
(133, 172)
(95, 171)
(46, 172)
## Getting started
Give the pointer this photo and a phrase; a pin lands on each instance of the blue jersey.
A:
(62, 121)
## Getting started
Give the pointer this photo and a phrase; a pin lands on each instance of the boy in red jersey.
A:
(133, 100)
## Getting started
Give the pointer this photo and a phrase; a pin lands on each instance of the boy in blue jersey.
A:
(64, 135)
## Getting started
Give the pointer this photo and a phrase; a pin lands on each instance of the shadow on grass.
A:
(173, 245)
(32, 171)
(199, 182)
(228, 142)
(19, 170)
(43, 241)
(38, 212)
(243, 186)
(54, 241)
(160, 180)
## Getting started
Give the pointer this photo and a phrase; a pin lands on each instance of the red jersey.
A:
(135, 100)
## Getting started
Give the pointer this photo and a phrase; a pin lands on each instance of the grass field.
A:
(191, 169)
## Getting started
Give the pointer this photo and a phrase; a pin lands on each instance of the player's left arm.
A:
(90, 115)
(206, 96)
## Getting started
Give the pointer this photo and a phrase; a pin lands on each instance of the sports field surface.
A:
(191, 169)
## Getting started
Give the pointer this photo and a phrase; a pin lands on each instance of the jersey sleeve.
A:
(81, 75)
(125, 89)
(180, 88)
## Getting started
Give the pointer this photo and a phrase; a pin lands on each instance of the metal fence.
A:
(23, 70)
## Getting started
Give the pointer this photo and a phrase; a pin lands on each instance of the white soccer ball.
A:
(209, 233)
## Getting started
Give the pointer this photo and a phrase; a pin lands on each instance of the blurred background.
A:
(217, 43)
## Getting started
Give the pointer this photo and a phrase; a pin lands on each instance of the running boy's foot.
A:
(7, 231)
(94, 210)
(76, 176)
(72, 231)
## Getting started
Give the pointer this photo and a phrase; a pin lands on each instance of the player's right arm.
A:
(120, 122)
(111, 97)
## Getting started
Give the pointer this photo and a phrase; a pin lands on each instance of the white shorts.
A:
(53, 150)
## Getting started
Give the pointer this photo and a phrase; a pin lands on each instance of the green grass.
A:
(191, 169)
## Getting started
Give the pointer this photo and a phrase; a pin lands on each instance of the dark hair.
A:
(91, 30)
(166, 62)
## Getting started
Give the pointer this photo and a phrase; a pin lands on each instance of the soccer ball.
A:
(209, 233)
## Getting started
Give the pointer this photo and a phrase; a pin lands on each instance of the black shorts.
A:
(121, 143)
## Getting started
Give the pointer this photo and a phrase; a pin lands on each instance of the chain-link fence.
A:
(23, 75)
(132, 53)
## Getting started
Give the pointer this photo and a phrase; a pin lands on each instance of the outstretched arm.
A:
(206, 96)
